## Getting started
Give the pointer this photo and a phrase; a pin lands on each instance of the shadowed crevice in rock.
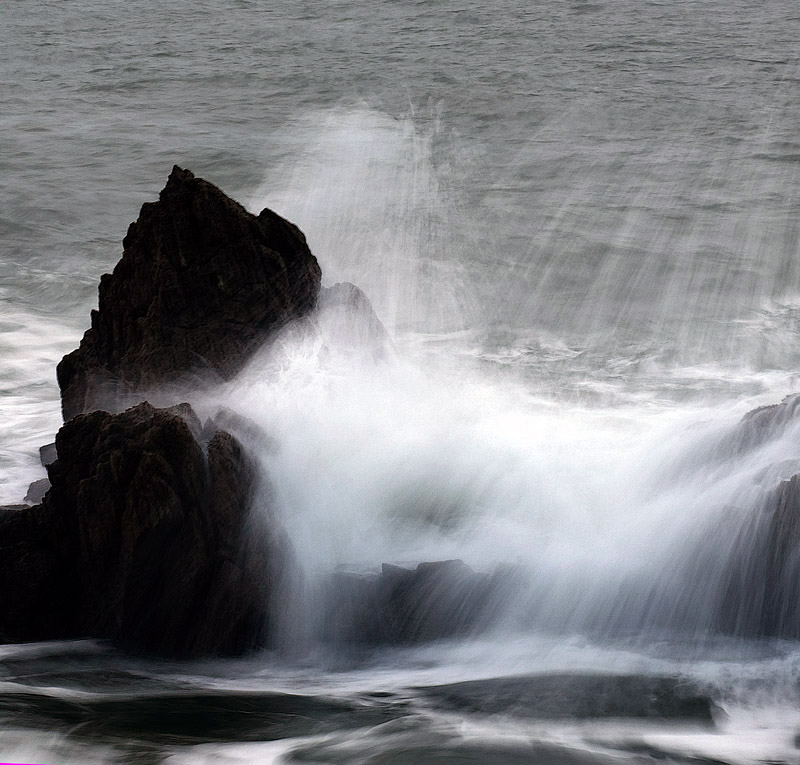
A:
(37, 588)
(201, 283)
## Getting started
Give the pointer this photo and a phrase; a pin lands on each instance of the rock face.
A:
(145, 538)
(36, 491)
(201, 284)
(760, 426)
(145, 534)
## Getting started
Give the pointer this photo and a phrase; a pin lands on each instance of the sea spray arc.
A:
(366, 188)
(140, 537)
(615, 266)
(668, 126)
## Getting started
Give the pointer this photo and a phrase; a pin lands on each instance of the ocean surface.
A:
(579, 220)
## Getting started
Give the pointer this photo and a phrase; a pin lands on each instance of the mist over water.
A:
(578, 223)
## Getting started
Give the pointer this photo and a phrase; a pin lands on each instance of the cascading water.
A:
(630, 500)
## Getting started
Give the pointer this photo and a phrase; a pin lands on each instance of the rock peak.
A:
(201, 283)
(179, 175)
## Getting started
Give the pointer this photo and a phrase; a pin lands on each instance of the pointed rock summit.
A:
(200, 285)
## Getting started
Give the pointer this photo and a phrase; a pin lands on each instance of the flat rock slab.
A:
(578, 696)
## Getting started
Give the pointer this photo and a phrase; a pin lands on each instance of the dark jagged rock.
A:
(48, 454)
(760, 570)
(437, 600)
(37, 489)
(759, 426)
(148, 537)
(253, 436)
(200, 285)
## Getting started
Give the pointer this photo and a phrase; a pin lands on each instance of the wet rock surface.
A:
(739, 576)
(437, 600)
(147, 714)
(347, 318)
(201, 284)
(143, 532)
(36, 491)
(48, 454)
(192, 717)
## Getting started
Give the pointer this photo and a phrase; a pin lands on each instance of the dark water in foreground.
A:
(580, 222)
(81, 703)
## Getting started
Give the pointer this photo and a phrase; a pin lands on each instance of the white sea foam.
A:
(30, 414)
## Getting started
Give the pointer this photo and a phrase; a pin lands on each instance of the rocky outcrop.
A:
(437, 600)
(36, 491)
(145, 538)
(143, 534)
(201, 284)
(759, 426)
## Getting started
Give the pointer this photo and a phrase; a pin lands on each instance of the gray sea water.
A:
(579, 220)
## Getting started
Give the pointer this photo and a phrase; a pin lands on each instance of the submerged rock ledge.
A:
(437, 600)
